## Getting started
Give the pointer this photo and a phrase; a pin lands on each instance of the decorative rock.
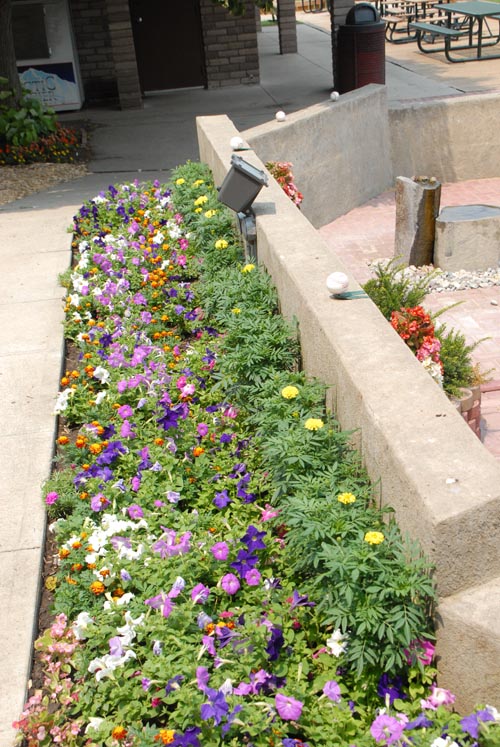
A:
(467, 237)
(337, 282)
(493, 302)
(417, 205)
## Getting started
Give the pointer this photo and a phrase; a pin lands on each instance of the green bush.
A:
(26, 122)
(391, 290)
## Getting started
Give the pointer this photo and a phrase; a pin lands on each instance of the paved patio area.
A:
(367, 233)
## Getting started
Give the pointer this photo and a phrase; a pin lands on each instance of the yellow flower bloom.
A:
(221, 244)
(197, 210)
(210, 213)
(313, 424)
(374, 538)
(166, 735)
(289, 392)
(236, 310)
(248, 268)
(346, 498)
(198, 183)
(180, 181)
(201, 200)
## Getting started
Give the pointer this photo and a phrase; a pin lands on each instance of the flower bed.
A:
(225, 576)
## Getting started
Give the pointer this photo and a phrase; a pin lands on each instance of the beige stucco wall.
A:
(443, 484)
(350, 150)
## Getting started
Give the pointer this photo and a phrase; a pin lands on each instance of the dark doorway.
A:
(168, 43)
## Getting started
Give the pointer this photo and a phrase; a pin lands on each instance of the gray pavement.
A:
(35, 248)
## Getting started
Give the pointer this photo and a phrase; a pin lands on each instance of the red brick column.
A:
(287, 26)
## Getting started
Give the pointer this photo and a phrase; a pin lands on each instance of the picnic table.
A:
(398, 14)
(464, 20)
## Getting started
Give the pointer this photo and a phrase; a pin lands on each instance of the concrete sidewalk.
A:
(35, 248)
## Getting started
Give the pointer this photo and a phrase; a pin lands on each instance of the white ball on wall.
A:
(337, 282)
(236, 143)
(280, 116)
(335, 95)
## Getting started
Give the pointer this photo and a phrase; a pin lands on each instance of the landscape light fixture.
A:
(241, 185)
(238, 191)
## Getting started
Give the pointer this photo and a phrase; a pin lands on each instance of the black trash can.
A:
(360, 49)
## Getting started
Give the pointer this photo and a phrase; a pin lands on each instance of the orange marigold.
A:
(119, 732)
(97, 587)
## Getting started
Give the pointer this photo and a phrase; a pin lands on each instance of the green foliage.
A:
(25, 123)
(392, 290)
(237, 7)
(455, 353)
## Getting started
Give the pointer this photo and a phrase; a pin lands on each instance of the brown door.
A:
(168, 43)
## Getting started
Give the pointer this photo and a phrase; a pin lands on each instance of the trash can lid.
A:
(249, 170)
(362, 13)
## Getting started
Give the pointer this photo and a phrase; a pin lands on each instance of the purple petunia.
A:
(253, 577)
(332, 690)
(230, 583)
(200, 593)
(135, 511)
(220, 550)
(288, 708)
(387, 729)
(221, 499)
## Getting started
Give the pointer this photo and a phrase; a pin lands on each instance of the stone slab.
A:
(467, 238)
(33, 278)
(470, 626)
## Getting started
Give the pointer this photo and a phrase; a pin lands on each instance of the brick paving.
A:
(367, 233)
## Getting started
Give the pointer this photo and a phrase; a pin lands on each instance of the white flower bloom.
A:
(94, 724)
(446, 742)
(81, 624)
(106, 665)
(111, 604)
(62, 400)
(336, 644)
(83, 246)
(494, 712)
(159, 238)
(100, 397)
(164, 201)
(101, 374)
(99, 199)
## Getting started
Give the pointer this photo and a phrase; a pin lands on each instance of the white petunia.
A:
(336, 644)
(101, 374)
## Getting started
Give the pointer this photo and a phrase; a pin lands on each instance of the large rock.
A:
(467, 238)
(417, 205)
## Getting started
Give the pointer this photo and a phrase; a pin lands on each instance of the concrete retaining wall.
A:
(443, 484)
(348, 151)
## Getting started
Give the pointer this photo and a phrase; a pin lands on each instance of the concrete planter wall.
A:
(443, 484)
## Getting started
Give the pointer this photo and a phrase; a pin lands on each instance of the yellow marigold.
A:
(201, 200)
(289, 392)
(374, 538)
(236, 310)
(119, 732)
(248, 268)
(97, 587)
(221, 244)
(197, 210)
(63, 440)
(210, 213)
(346, 498)
(198, 183)
(180, 181)
(313, 424)
(166, 736)
(198, 451)
(50, 583)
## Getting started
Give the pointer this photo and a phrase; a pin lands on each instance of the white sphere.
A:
(335, 95)
(337, 282)
(236, 143)
(280, 116)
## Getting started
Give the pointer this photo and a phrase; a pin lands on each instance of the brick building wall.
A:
(230, 42)
(95, 53)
